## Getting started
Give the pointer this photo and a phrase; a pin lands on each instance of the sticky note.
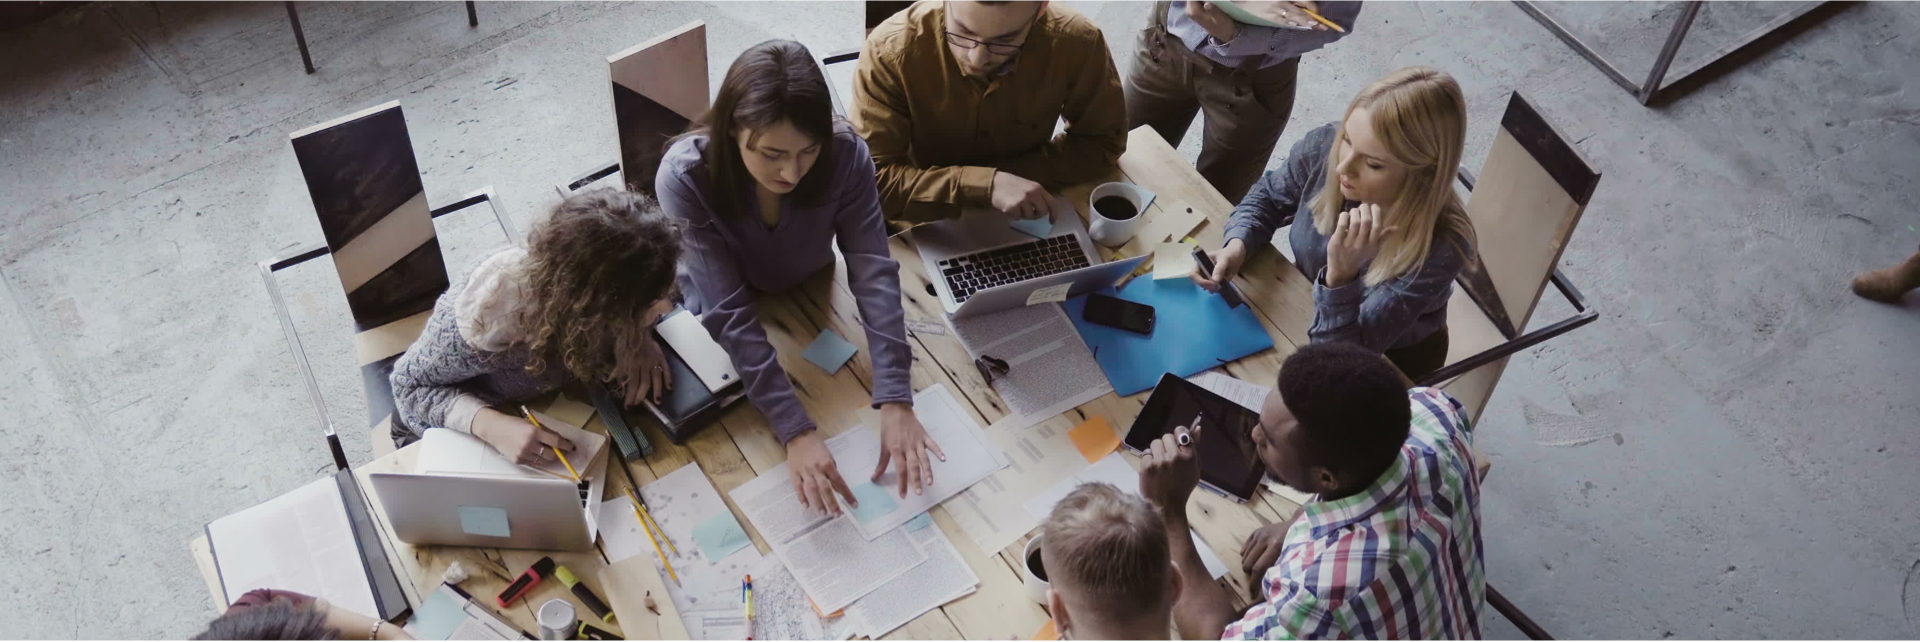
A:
(1049, 294)
(1146, 197)
(1172, 261)
(1037, 228)
(438, 616)
(919, 522)
(1047, 632)
(829, 351)
(1095, 438)
(876, 501)
(719, 537)
(486, 521)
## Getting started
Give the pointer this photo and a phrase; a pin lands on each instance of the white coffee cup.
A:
(1037, 588)
(1116, 232)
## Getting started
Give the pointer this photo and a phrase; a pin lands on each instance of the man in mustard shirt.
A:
(958, 101)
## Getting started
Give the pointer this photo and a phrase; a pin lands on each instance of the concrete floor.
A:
(1728, 453)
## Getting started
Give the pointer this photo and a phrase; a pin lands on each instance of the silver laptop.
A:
(499, 511)
(978, 264)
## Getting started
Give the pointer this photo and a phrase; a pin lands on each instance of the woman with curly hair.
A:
(768, 185)
(578, 304)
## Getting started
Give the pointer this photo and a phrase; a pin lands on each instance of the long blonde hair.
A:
(1420, 115)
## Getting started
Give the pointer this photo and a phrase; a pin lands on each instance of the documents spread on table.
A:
(944, 577)
(714, 554)
(828, 556)
(783, 612)
(969, 459)
(991, 513)
(1114, 470)
(301, 541)
(1251, 396)
(1050, 369)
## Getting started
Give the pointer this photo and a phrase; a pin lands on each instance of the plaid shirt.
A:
(1398, 560)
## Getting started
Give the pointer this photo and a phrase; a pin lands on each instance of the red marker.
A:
(525, 583)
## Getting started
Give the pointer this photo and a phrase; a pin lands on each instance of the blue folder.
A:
(1194, 330)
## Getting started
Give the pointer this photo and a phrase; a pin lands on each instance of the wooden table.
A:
(741, 446)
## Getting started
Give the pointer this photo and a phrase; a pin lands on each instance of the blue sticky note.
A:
(1037, 228)
(484, 520)
(1194, 330)
(922, 521)
(719, 537)
(876, 501)
(438, 616)
(829, 351)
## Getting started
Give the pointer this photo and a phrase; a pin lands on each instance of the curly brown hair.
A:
(593, 269)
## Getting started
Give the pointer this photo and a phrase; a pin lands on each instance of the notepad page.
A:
(300, 542)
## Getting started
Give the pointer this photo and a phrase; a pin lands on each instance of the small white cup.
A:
(1116, 232)
(1036, 588)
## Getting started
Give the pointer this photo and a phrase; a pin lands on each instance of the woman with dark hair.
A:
(271, 614)
(577, 304)
(768, 182)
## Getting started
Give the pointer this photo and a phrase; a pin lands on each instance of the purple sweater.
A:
(730, 260)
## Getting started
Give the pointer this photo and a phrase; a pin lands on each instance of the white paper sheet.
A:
(828, 556)
(783, 612)
(992, 512)
(679, 502)
(943, 578)
(1114, 469)
(969, 459)
(300, 542)
(1051, 368)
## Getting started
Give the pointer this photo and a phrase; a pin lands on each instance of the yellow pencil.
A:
(556, 451)
(1323, 20)
(639, 513)
(645, 512)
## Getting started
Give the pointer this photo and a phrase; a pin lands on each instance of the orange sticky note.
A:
(1095, 438)
(1047, 632)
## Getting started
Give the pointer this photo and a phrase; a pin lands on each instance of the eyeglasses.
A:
(964, 42)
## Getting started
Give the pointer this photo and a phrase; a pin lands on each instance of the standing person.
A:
(1383, 234)
(1193, 58)
(1389, 546)
(959, 101)
(1888, 284)
(1108, 570)
(577, 304)
(767, 185)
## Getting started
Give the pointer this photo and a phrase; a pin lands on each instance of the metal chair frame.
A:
(300, 35)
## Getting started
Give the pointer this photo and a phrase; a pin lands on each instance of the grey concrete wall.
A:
(1752, 469)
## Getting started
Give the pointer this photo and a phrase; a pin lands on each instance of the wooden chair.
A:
(365, 184)
(659, 89)
(1529, 197)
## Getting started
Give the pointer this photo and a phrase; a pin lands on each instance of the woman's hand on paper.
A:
(517, 438)
(1226, 265)
(815, 476)
(903, 439)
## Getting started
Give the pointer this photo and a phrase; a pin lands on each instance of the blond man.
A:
(1109, 567)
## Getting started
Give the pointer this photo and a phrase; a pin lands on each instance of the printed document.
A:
(781, 610)
(301, 542)
(828, 555)
(992, 512)
(944, 578)
(969, 459)
(1050, 370)
(682, 502)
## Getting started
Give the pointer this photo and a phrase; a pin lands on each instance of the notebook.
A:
(319, 540)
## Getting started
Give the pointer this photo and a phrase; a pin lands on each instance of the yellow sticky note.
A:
(1095, 438)
(1172, 261)
(1047, 632)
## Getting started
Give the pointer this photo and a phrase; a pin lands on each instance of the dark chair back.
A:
(659, 88)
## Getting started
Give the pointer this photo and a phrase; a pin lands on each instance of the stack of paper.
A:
(714, 552)
(969, 459)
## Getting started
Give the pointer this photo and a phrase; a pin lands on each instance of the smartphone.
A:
(1227, 291)
(1119, 313)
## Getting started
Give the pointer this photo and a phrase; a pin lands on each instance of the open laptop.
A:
(464, 493)
(978, 264)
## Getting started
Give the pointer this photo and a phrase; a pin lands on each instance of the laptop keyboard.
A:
(972, 273)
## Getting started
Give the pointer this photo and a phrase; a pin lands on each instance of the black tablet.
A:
(1228, 462)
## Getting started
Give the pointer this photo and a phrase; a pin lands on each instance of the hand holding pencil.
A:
(517, 438)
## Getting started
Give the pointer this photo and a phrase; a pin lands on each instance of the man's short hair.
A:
(1110, 548)
(1352, 407)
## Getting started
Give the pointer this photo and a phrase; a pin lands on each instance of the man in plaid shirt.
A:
(1389, 547)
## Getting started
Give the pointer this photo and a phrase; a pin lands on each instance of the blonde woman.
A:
(1379, 228)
